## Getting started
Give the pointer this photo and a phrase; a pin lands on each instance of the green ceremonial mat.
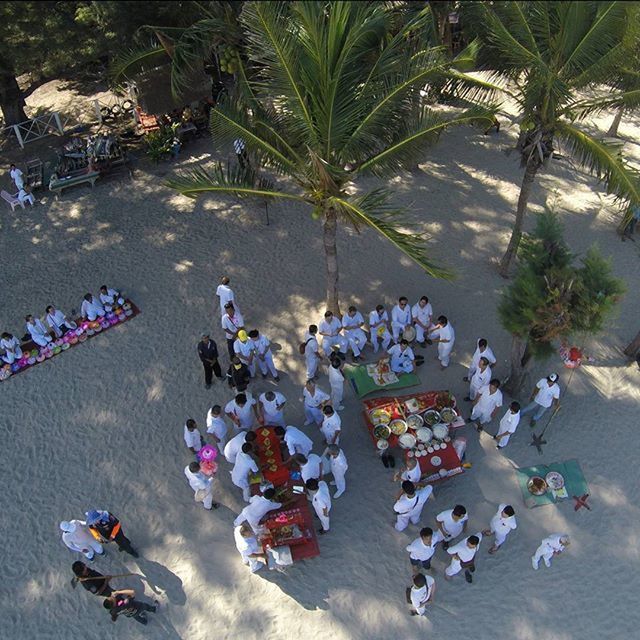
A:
(363, 384)
(574, 482)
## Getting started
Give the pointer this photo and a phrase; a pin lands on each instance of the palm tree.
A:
(550, 51)
(333, 90)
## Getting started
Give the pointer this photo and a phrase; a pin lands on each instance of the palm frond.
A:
(132, 61)
(422, 132)
(373, 210)
(602, 160)
(583, 108)
(232, 180)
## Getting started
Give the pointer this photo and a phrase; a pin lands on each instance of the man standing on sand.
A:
(421, 593)
(105, 527)
(217, 427)
(263, 355)
(379, 328)
(201, 486)
(545, 394)
(244, 350)
(232, 322)
(77, 537)
(192, 436)
(242, 468)
(238, 375)
(336, 380)
(297, 441)
(208, 354)
(445, 336)
(242, 411)
(481, 378)
(508, 425)
(501, 525)
(462, 557)
(339, 466)
(225, 293)
(422, 312)
(331, 427)
(486, 404)
(400, 318)
(314, 400)
(311, 466)
(551, 546)
(321, 500)
(450, 524)
(311, 351)
(17, 176)
(271, 408)
(234, 445)
(409, 504)
(483, 350)
(421, 550)
(92, 581)
(122, 602)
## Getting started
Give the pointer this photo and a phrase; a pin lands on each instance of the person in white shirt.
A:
(248, 547)
(501, 525)
(481, 378)
(545, 393)
(422, 312)
(17, 176)
(483, 350)
(271, 408)
(297, 441)
(257, 509)
(225, 293)
(37, 331)
(409, 504)
(352, 324)
(311, 352)
(421, 593)
(321, 501)
(263, 354)
(217, 427)
(336, 380)
(234, 445)
(243, 466)
(551, 546)
(400, 318)
(450, 524)
(77, 537)
(192, 437)
(462, 557)
(379, 328)
(445, 336)
(330, 330)
(242, 410)
(331, 425)
(311, 466)
(232, 322)
(91, 308)
(402, 358)
(486, 404)
(58, 322)
(314, 399)
(411, 472)
(245, 350)
(25, 195)
(201, 485)
(110, 298)
(339, 466)
(421, 550)
(11, 346)
(508, 425)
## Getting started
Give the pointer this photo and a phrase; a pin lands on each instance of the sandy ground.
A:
(102, 426)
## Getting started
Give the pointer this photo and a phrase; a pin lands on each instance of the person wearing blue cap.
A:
(105, 527)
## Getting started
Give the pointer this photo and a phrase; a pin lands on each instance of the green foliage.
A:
(552, 298)
(551, 51)
(331, 90)
(159, 142)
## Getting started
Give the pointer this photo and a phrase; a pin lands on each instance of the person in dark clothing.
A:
(105, 527)
(238, 375)
(208, 353)
(122, 602)
(91, 580)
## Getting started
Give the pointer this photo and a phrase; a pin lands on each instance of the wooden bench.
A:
(58, 184)
(11, 200)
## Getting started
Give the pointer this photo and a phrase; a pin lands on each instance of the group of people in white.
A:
(23, 191)
(54, 324)
(330, 342)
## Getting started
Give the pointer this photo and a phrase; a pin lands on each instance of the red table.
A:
(449, 460)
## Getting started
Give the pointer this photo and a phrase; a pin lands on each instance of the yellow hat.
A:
(242, 335)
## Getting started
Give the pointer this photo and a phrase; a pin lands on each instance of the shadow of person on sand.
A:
(295, 583)
(162, 581)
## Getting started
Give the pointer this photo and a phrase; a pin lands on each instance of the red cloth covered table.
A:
(267, 441)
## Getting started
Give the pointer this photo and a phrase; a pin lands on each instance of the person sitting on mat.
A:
(110, 298)
(91, 308)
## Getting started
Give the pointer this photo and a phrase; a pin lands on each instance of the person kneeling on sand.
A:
(249, 548)
(551, 546)
(122, 602)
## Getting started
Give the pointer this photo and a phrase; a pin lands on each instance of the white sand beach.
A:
(101, 426)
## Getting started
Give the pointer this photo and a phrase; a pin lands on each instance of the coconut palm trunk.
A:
(633, 348)
(613, 129)
(523, 202)
(329, 229)
(518, 362)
